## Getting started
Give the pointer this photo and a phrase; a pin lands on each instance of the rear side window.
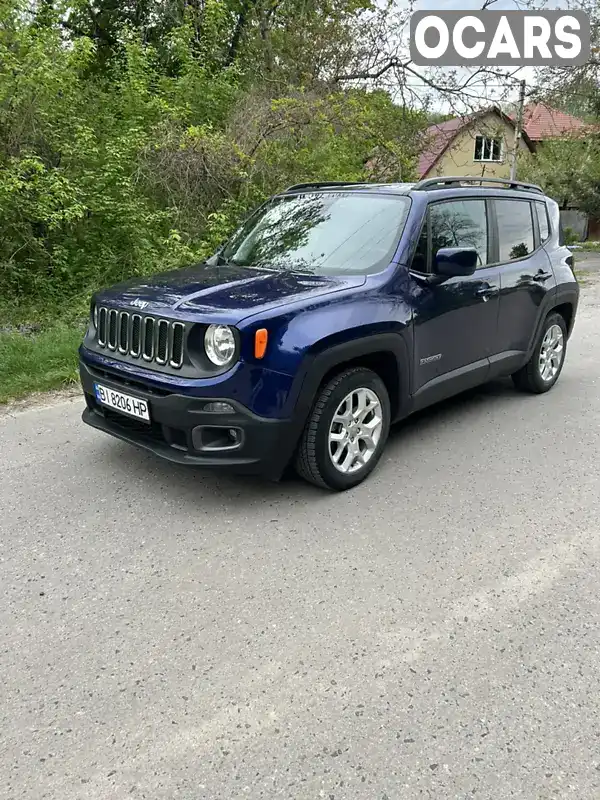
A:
(542, 213)
(515, 229)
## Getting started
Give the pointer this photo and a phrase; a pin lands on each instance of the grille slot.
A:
(158, 340)
(148, 345)
(112, 329)
(177, 345)
(162, 341)
(136, 335)
(102, 327)
(123, 332)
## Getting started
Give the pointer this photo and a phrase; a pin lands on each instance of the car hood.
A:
(223, 293)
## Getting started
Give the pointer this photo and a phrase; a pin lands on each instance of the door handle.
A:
(486, 292)
(542, 276)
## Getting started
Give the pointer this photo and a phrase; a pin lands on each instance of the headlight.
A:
(219, 342)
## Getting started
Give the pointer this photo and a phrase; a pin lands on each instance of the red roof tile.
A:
(542, 122)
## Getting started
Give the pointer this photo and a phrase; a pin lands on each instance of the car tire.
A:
(324, 438)
(532, 377)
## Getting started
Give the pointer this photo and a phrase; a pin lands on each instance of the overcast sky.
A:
(495, 92)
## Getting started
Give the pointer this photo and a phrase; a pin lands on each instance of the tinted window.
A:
(321, 233)
(515, 229)
(460, 223)
(542, 213)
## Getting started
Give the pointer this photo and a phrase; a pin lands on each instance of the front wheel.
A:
(346, 432)
(545, 365)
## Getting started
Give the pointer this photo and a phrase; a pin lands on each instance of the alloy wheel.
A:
(551, 353)
(355, 430)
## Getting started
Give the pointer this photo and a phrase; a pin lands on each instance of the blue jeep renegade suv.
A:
(335, 310)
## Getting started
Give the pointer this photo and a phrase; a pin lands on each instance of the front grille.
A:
(152, 339)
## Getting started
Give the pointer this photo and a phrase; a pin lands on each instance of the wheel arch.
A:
(567, 312)
(385, 353)
(563, 301)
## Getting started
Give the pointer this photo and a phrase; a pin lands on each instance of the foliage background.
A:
(133, 136)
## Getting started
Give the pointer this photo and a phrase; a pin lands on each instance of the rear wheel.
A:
(545, 365)
(346, 432)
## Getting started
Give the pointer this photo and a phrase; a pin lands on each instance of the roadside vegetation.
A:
(38, 361)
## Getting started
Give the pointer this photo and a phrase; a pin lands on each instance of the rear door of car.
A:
(521, 228)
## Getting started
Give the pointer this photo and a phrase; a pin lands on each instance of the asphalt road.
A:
(432, 634)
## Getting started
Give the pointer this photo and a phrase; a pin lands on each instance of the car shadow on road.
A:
(488, 397)
(220, 490)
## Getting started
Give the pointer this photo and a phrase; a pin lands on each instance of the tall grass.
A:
(40, 362)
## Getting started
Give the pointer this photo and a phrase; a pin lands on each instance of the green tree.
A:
(568, 170)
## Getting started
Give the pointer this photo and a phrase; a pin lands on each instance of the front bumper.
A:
(265, 447)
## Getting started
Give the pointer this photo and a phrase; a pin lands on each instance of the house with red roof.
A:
(475, 144)
(483, 143)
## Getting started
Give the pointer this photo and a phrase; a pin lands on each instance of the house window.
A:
(488, 149)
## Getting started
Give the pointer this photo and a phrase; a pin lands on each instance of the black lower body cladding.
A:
(181, 431)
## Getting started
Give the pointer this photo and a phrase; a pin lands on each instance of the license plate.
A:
(125, 403)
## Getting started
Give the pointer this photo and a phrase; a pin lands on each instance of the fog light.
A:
(218, 408)
(211, 437)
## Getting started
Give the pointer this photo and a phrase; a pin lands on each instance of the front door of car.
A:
(455, 320)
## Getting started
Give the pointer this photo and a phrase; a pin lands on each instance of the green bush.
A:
(570, 236)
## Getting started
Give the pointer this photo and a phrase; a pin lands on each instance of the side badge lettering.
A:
(431, 359)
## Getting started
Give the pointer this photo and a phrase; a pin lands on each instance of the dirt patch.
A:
(40, 400)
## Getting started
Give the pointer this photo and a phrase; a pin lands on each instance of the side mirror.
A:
(454, 261)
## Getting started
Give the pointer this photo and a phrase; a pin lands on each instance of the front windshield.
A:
(321, 233)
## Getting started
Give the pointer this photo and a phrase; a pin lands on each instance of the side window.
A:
(460, 223)
(542, 213)
(515, 229)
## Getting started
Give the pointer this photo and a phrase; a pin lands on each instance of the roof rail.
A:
(322, 185)
(440, 183)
